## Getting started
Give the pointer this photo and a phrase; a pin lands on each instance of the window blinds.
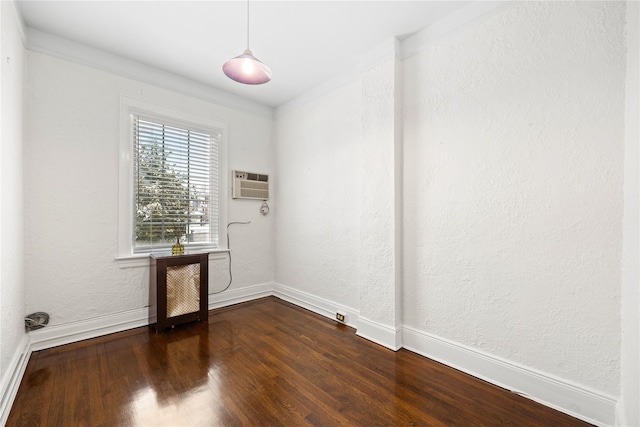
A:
(175, 184)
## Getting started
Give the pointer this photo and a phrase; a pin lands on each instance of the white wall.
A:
(629, 410)
(514, 134)
(12, 334)
(336, 193)
(513, 193)
(514, 138)
(380, 216)
(318, 193)
(71, 177)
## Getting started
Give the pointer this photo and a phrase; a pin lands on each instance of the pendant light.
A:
(246, 68)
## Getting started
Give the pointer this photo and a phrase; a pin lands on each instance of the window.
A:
(175, 170)
(171, 164)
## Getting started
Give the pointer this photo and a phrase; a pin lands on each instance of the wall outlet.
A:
(340, 317)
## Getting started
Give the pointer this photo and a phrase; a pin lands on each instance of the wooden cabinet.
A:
(179, 289)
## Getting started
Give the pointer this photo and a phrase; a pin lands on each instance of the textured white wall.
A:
(514, 134)
(318, 193)
(71, 178)
(12, 295)
(629, 410)
(380, 260)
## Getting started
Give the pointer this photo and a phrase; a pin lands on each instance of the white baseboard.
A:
(575, 400)
(365, 328)
(316, 304)
(380, 334)
(12, 378)
(236, 296)
(578, 401)
(56, 335)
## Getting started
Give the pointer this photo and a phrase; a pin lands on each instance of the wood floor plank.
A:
(36, 404)
(261, 363)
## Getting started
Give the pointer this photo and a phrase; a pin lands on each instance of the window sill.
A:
(142, 260)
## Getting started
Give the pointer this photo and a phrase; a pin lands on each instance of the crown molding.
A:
(49, 44)
(457, 22)
(325, 88)
(387, 50)
(17, 16)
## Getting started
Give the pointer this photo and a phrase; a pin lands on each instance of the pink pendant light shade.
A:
(247, 69)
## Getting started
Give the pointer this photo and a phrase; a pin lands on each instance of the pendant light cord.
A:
(248, 25)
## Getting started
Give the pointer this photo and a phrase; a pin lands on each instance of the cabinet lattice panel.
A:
(183, 289)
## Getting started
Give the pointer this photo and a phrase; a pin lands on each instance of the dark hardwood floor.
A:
(261, 363)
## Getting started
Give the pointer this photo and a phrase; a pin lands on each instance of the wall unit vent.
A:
(247, 185)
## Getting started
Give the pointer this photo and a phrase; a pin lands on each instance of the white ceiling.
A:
(305, 43)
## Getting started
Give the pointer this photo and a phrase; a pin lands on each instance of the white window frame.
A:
(129, 106)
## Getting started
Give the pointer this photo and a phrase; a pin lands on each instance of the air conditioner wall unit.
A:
(248, 185)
